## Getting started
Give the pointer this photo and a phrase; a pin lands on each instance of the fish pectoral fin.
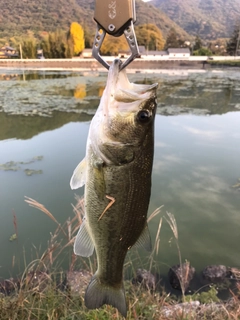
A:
(98, 294)
(118, 154)
(83, 245)
(144, 240)
(79, 175)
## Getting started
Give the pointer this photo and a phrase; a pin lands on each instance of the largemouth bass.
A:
(116, 172)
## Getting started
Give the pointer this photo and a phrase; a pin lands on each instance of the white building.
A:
(178, 53)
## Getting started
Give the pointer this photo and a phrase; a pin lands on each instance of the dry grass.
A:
(41, 292)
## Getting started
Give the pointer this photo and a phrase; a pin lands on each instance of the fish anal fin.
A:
(83, 245)
(79, 175)
(98, 294)
(144, 240)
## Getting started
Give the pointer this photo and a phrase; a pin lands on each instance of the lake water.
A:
(44, 121)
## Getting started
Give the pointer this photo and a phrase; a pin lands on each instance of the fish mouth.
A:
(119, 87)
(114, 72)
(121, 96)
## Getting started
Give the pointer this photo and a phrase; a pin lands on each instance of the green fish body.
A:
(116, 172)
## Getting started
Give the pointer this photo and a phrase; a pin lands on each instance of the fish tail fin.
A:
(98, 294)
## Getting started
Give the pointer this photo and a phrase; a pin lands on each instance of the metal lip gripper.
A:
(115, 18)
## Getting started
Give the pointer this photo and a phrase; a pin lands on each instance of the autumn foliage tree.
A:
(150, 36)
(111, 45)
(77, 35)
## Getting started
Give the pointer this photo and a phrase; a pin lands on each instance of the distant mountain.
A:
(210, 19)
(147, 13)
(19, 17)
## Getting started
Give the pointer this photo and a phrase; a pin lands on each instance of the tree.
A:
(29, 49)
(198, 43)
(77, 35)
(89, 37)
(234, 41)
(150, 36)
(173, 41)
(218, 47)
(57, 45)
(202, 52)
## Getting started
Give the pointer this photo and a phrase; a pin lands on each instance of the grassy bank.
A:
(45, 293)
(46, 300)
(223, 63)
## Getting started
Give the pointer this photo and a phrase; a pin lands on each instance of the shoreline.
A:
(92, 64)
(136, 66)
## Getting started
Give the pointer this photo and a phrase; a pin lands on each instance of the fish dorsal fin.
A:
(83, 245)
(144, 240)
(79, 175)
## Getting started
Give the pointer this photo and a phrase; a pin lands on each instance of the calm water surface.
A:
(44, 121)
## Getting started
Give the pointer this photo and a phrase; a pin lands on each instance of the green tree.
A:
(77, 35)
(172, 40)
(150, 36)
(234, 42)
(202, 52)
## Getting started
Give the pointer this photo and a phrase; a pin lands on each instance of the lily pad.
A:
(14, 166)
(30, 172)
(13, 237)
(9, 166)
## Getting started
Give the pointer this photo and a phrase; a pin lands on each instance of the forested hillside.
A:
(18, 18)
(210, 19)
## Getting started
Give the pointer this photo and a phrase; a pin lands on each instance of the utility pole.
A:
(20, 49)
(238, 40)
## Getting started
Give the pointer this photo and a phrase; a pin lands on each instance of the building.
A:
(178, 53)
(169, 54)
(87, 53)
(127, 53)
(157, 53)
(40, 54)
(7, 52)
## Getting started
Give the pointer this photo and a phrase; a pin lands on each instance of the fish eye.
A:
(143, 115)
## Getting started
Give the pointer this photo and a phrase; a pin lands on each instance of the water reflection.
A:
(196, 158)
(44, 92)
(21, 127)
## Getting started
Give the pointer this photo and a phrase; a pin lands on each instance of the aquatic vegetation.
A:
(13, 237)
(44, 92)
(237, 185)
(16, 166)
(30, 172)
(9, 166)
